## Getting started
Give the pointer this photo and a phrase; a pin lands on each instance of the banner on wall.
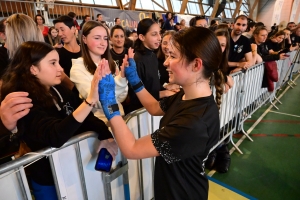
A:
(277, 11)
(295, 7)
(129, 19)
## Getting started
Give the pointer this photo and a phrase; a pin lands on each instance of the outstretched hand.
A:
(93, 96)
(111, 146)
(132, 76)
(106, 92)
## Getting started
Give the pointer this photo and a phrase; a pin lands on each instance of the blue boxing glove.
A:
(132, 76)
(107, 97)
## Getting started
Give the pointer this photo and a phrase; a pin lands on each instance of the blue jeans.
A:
(44, 192)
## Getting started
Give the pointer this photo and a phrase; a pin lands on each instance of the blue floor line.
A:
(231, 188)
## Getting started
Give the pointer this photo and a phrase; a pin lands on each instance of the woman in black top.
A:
(147, 64)
(190, 125)
(275, 42)
(57, 114)
(259, 37)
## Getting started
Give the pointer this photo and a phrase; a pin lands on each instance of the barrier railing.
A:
(73, 164)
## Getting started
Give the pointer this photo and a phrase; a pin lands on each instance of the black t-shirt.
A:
(118, 58)
(287, 44)
(188, 130)
(272, 45)
(147, 69)
(4, 60)
(238, 49)
(295, 39)
(65, 59)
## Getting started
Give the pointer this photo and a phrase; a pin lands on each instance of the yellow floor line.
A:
(218, 192)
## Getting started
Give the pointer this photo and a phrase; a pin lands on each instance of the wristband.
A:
(90, 104)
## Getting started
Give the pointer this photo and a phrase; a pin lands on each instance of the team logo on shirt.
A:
(240, 49)
(68, 108)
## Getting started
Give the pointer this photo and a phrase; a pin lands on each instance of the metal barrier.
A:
(75, 160)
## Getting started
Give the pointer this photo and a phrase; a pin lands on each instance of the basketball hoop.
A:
(50, 3)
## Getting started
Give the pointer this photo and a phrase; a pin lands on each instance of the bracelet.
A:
(90, 104)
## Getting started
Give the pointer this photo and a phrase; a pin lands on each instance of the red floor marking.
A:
(280, 135)
(259, 135)
(297, 135)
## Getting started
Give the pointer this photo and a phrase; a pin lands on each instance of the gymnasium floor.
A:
(269, 167)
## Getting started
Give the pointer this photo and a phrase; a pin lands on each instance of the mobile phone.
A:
(104, 161)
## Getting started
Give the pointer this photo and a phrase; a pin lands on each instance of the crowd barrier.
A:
(73, 164)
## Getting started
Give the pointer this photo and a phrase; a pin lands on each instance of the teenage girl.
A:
(94, 47)
(190, 125)
(53, 38)
(57, 114)
(149, 39)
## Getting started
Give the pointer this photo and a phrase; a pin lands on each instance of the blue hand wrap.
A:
(132, 76)
(107, 97)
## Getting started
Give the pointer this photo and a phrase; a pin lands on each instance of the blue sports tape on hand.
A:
(107, 97)
(132, 76)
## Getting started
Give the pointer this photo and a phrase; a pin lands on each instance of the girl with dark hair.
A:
(162, 54)
(220, 157)
(95, 48)
(169, 22)
(146, 61)
(190, 125)
(53, 39)
(57, 114)
(40, 21)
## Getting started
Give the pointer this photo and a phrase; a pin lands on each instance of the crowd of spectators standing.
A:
(244, 43)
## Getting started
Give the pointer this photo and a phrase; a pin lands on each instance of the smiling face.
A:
(152, 38)
(165, 44)
(177, 67)
(67, 35)
(118, 38)
(48, 71)
(97, 42)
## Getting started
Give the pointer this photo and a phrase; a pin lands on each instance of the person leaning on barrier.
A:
(190, 126)
(57, 114)
(260, 35)
(240, 54)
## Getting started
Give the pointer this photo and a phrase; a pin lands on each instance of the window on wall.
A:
(75, 1)
(88, 1)
(193, 8)
(162, 3)
(176, 5)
